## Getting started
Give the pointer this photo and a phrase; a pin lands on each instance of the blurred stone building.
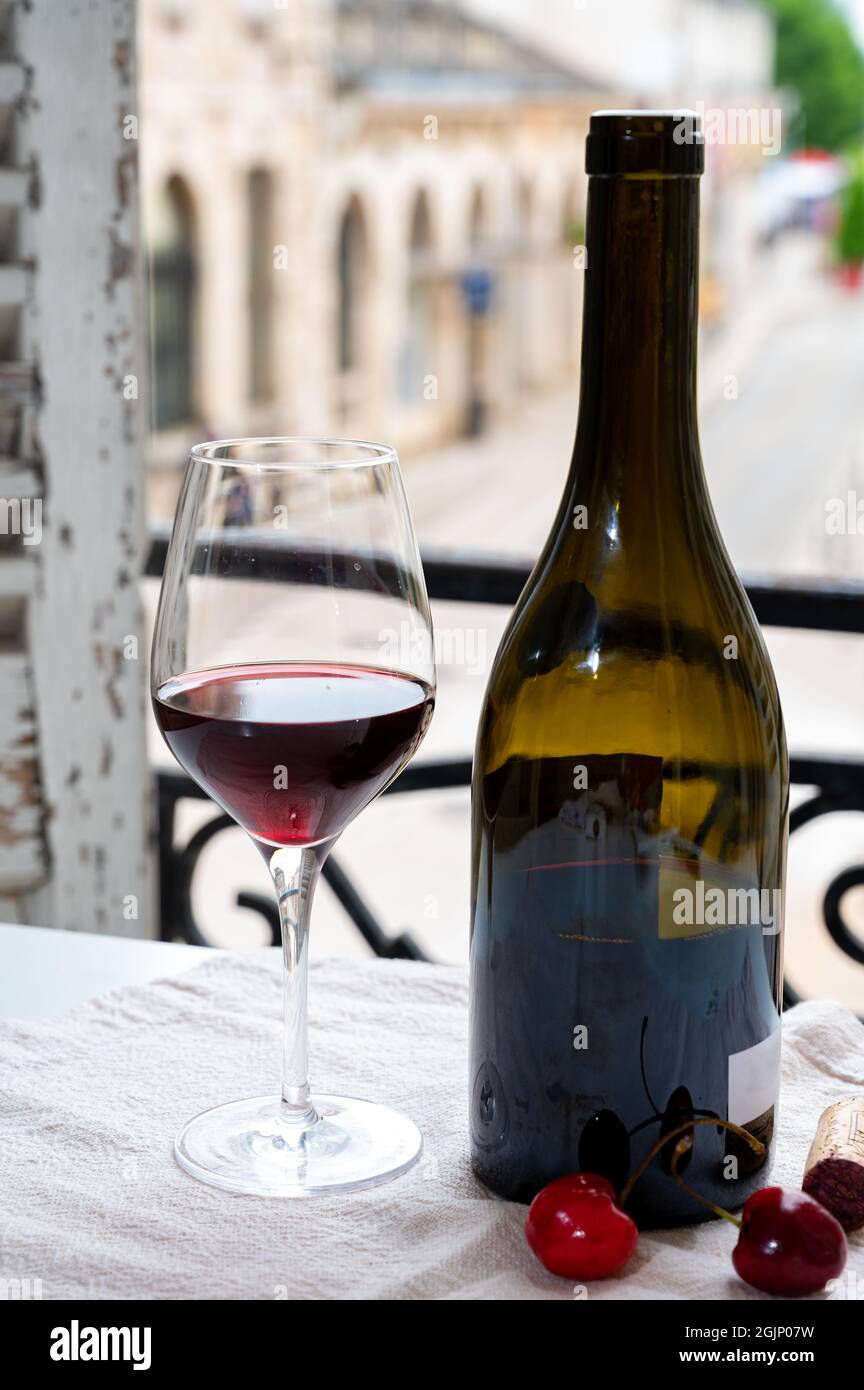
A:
(361, 218)
(362, 214)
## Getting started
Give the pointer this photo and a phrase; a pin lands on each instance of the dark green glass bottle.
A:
(630, 791)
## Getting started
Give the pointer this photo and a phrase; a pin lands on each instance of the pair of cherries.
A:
(788, 1243)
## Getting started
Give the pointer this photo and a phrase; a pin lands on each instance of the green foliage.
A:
(817, 57)
(850, 236)
(574, 232)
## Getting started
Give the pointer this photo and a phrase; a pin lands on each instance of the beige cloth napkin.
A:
(93, 1204)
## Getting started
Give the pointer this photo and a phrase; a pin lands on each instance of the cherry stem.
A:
(652, 1120)
(756, 1145)
(684, 1144)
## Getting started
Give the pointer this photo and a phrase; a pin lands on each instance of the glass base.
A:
(250, 1146)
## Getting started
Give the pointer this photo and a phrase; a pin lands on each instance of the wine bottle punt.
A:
(630, 790)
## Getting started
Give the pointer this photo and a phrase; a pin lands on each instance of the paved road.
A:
(794, 437)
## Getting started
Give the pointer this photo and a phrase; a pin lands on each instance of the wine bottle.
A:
(630, 790)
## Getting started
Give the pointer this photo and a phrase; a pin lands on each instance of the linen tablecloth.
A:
(93, 1204)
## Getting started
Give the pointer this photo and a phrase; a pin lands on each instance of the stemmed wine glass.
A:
(294, 699)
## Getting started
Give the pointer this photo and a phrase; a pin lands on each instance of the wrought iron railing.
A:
(471, 578)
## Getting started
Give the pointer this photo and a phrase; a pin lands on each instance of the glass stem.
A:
(295, 874)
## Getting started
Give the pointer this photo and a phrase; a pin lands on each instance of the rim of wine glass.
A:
(372, 454)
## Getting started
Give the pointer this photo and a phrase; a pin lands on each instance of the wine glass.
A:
(293, 678)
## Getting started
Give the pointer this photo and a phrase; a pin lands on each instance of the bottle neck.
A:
(637, 431)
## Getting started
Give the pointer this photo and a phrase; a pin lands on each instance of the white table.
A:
(393, 1030)
(43, 972)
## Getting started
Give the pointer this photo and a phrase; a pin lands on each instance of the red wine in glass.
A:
(293, 751)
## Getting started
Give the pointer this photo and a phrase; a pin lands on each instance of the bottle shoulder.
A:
(578, 666)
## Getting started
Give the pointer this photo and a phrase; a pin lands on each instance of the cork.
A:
(834, 1171)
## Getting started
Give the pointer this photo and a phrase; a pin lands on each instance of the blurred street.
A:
(787, 437)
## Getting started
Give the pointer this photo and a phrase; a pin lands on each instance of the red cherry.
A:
(577, 1230)
(789, 1243)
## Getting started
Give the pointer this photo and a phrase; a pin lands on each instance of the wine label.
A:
(754, 1081)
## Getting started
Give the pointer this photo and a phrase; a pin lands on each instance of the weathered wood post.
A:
(73, 776)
